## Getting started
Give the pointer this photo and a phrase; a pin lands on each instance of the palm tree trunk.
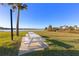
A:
(17, 23)
(11, 24)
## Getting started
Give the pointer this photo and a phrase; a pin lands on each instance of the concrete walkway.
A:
(35, 46)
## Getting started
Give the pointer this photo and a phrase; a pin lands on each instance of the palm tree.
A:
(10, 22)
(19, 7)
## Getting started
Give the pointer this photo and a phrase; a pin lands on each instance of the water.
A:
(19, 30)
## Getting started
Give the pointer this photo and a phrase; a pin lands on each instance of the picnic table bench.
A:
(33, 37)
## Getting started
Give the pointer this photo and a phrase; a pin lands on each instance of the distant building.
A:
(75, 27)
(67, 27)
(64, 27)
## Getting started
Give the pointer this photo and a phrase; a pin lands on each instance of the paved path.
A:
(33, 47)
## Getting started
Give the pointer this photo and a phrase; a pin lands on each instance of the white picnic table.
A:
(34, 37)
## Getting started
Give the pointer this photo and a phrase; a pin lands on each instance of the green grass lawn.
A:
(60, 44)
(7, 46)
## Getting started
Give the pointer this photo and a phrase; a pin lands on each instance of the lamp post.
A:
(11, 24)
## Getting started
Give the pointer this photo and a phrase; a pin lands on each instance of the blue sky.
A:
(40, 15)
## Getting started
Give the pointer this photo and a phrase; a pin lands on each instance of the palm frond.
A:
(23, 6)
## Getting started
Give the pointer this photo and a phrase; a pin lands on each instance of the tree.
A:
(11, 24)
(45, 28)
(55, 29)
(75, 27)
(49, 28)
(71, 28)
(19, 7)
(61, 28)
(11, 21)
(66, 28)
